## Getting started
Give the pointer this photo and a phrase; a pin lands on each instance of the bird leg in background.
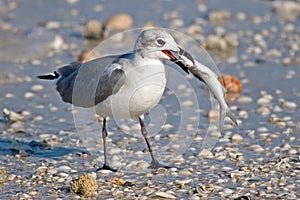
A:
(104, 135)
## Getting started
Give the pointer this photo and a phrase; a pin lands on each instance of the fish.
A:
(210, 78)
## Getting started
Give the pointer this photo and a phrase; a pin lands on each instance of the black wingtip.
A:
(53, 76)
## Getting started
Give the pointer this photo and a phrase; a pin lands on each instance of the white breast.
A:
(143, 89)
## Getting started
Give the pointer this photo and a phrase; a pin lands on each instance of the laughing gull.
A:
(121, 86)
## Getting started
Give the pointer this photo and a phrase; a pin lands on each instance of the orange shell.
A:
(87, 55)
(233, 86)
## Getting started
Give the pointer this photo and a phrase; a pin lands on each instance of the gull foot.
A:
(106, 167)
(155, 165)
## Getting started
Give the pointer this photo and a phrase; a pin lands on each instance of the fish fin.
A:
(226, 113)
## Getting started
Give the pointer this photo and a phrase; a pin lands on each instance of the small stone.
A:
(93, 29)
(167, 127)
(236, 138)
(245, 99)
(33, 193)
(117, 181)
(57, 43)
(241, 16)
(206, 153)
(231, 39)
(64, 168)
(11, 177)
(183, 182)
(28, 95)
(52, 25)
(243, 114)
(213, 115)
(287, 105)
(85, 185)
(287, 10)
(11, 116)
(219, 16)
(263, 101)
(194, 29)
(292, 152)
(119, 22)
(165, 195)
(215, 42)
(87, 55)
(2, 175)
(185, 173)
(258, 149)
(227, 191)
(38, 118)
(187, 103)
(37, 88)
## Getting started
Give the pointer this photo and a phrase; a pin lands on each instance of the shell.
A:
(87, 55)
(233, 86)
(119, 22)
(93, 29)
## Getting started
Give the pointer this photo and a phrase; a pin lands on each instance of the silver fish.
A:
(210, 78)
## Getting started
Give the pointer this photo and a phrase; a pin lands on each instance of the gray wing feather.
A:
(92, 82)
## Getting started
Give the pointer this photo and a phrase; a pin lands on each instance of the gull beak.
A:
(181, 57)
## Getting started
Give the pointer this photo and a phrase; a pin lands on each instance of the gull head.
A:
(157, 44)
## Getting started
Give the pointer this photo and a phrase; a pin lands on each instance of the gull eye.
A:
(160, 42)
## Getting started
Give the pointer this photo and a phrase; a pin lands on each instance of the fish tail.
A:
(231, 116)
(226, 113)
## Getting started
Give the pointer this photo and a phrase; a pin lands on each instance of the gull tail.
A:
(63, 71)
(226, 112)
(50, 76)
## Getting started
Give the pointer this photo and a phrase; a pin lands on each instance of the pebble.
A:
(257, 149)
(236, 138)
(241, 16)
(28, 95)
(64, 168)
(11, 116)
(263, 110)
(287, 105)
(37, 88)
(52, 25)
(183, 182)
(119, 22)
(205, 153)
(11, 177)
(263, 101)
(292, 152)
(2, 175)
(215, 42)
(187, 103)
(245, 99)
(93, 29)
(85, 185)
(243, 114)
(87, 55)
(164, 195)
(194, 29)
(213, 115)
(57, 43)
(287, 10)
(219, 16)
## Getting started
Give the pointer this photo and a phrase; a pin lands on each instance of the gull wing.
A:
(90, 83)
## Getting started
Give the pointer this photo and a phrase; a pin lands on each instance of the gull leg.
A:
(104, 136)
(154, 162)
